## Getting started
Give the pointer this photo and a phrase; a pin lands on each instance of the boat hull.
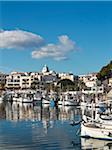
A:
(96, 132)
(44, 101)
(22, 100)
(70, 103)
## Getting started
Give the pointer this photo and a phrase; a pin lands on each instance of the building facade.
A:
(90, 80)
(69, 76)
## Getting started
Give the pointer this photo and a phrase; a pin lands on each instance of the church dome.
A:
(45, 69)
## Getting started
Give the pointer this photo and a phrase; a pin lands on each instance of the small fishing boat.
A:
(93, 130)
(96, 126)
(68, 100)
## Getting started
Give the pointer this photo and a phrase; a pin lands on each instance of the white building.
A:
(17, 80)
(64, 75)
(94, 90)
(25, 81)
(89, 79)
(13, 80)
(110, 82)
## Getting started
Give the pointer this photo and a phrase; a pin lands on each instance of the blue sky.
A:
(67, 36)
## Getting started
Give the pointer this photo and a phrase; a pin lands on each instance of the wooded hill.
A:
(105, 72)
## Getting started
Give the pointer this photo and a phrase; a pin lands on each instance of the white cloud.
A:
(19, 39)
(56, 51)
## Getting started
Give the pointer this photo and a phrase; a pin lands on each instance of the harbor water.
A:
(31, 127)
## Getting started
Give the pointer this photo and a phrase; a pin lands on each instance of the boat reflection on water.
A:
(16, 112)
(19, 111)
(90, 143)
(27, 111)
(27, 125)
(2, 111)
(69, 113)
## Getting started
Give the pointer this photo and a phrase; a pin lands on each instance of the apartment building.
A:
(64, 75)
(89, 79)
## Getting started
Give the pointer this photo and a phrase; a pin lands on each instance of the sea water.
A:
(35, 127)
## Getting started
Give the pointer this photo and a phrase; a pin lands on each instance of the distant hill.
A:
(105, 72)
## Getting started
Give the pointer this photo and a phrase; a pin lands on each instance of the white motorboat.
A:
(24, 97)
(67, 103)
(68, 100)
(27, 100)
(45, 101)
(70, 103)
